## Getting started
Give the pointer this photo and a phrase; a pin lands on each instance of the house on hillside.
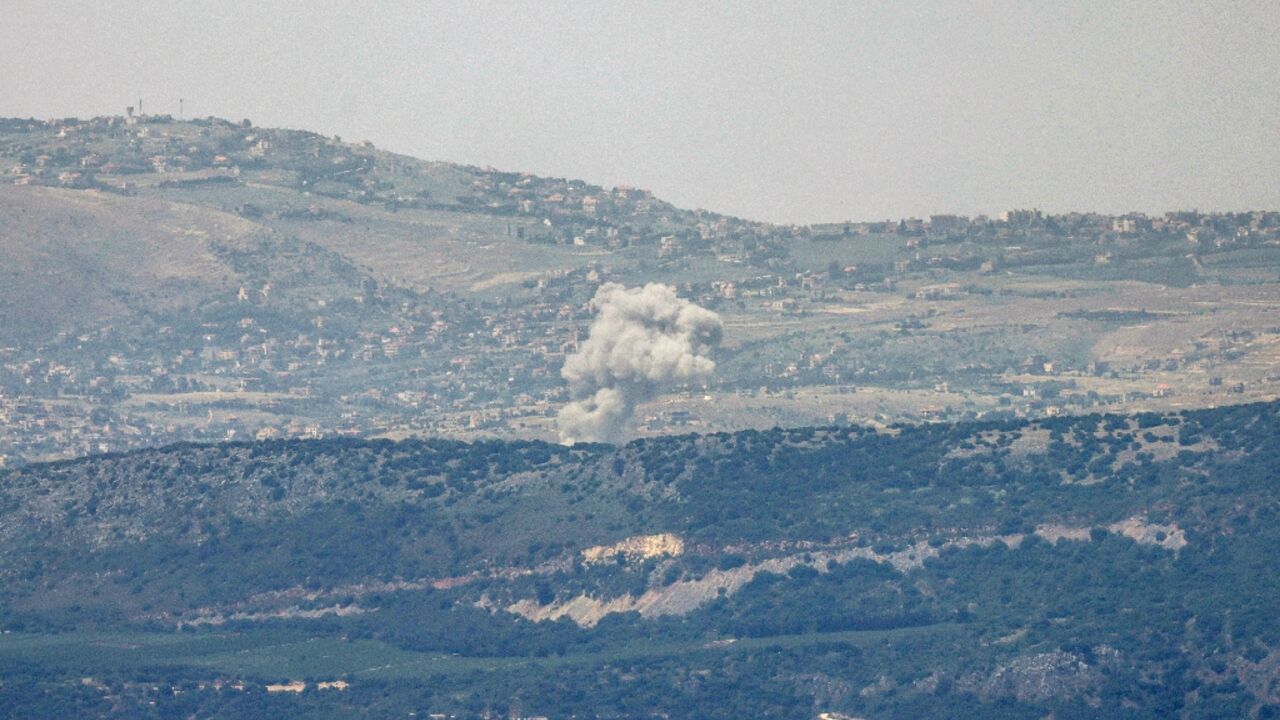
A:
(939, 292)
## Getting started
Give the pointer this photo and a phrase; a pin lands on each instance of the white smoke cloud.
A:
(641, 339)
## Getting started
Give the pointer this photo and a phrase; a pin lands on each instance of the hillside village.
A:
(319, 329)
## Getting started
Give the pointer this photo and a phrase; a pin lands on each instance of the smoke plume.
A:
(641, 339)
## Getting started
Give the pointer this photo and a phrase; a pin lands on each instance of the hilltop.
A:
(168, 280)
(1088, 566)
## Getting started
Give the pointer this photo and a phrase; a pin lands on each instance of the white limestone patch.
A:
(639, 547)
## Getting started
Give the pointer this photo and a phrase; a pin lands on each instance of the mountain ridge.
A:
(207, 280)
(998, 568)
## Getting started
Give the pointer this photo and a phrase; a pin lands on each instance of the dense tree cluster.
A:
(431, 540)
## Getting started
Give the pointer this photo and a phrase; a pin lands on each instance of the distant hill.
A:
(1081, 566)
(169, 280)
(421, 224)
(181, 190)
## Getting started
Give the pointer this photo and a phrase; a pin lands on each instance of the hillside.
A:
(1092, 566)
(206, 280)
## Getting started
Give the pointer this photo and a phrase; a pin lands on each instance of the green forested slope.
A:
(1093, 566)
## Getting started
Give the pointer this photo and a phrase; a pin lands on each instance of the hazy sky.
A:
(783, 111)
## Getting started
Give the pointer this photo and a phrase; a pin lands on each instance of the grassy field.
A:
(269, 655)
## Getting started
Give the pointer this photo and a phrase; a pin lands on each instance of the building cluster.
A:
(262, 363)
(1195, 228)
